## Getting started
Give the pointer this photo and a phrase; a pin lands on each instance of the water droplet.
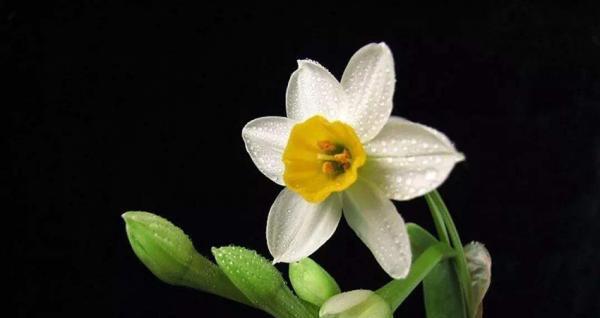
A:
(430, 175)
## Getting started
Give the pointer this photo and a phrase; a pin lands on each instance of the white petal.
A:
(375, 220)
(297, 228)
(356, 304)
(265, 140)
(369, 81)
(312, 90)
(407, 159)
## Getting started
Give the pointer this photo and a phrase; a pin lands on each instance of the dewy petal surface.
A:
(407, 160)
(312, 90)
(377, 223)
(369, 81)
(297, 228)
(265, 140)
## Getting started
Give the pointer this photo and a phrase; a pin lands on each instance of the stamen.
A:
(321, 156)
(328, 167)
(343, 157)
(327, 146)
(336, 159)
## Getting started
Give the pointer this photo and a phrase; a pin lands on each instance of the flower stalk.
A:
(396, 291)
(445, 224)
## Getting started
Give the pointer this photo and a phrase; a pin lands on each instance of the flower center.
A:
(321, 157)
(336, 159)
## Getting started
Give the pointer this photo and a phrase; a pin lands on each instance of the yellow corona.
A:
(322, 157)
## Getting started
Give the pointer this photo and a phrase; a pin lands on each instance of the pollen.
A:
(328, 167)
(336, 163)
(327, 146)
(343, 157)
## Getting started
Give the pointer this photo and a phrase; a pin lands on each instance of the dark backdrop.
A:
(116, 107)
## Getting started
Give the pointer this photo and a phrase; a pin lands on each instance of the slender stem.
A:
(438, 218)
(396, 291)
(461, 261)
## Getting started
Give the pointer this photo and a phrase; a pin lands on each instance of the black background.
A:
(116, 107)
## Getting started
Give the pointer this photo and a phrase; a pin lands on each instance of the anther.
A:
(326, 146)
(343, 157)
(328, 167)
(336, 159)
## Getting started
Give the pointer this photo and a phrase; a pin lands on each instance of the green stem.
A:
(438, 219)
(396, 291)
(460, 260)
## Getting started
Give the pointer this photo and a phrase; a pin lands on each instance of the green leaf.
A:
(420, 239)
(311, 282)
(261, 282)
(442, 294)
(170, 255)
(435, 202)
(396, 291)
(441, 290)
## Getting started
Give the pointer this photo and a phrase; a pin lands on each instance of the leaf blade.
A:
(441, 290)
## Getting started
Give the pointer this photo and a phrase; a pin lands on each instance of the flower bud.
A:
(356, 304)
(479, 263)
(260, 282)
(311, 282)
(160, 245)
(170, 255)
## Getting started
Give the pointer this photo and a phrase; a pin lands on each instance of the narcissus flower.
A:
(339, 149)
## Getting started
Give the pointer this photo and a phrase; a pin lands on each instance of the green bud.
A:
(170, 255)
(260, 281)
(479, 263)
(311, 282)
(160, 245)
(356, 304)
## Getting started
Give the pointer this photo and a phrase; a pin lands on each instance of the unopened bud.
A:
(311, 282)
(356, 304)
(170, 255)
(160, 245)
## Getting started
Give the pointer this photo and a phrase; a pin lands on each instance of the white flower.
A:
(339, 149)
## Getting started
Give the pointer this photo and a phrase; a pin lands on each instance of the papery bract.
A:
(479, 263)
